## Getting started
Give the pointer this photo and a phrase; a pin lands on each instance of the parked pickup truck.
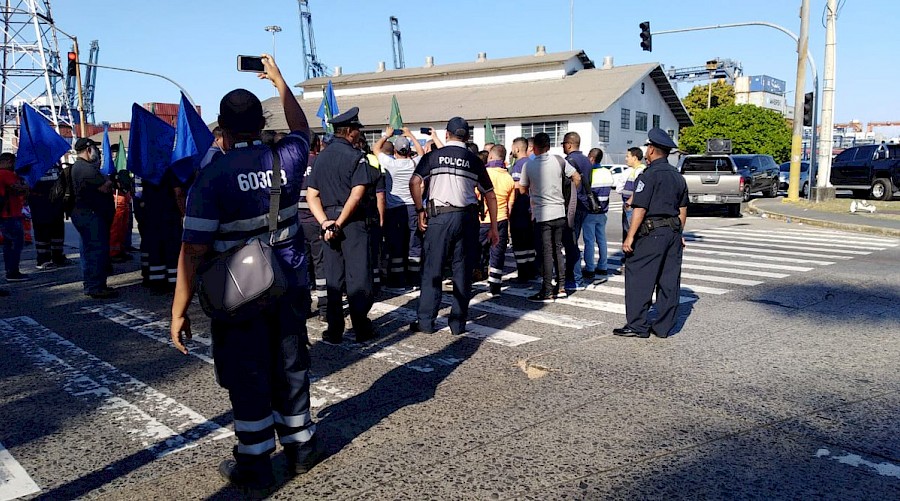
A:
(714, 179)
(871, 171)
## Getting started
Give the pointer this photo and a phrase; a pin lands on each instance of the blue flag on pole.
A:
(149, 145)
(329, 108)
(192, 140)
(40, 147)
(106, 163)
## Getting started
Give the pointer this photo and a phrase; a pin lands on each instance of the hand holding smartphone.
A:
(252, 64)
(425, 130)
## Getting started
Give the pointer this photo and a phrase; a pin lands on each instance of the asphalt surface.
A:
(783, 381)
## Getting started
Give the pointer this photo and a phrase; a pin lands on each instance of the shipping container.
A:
(765, 83)
(162, 108)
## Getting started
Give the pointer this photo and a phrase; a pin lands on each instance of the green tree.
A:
(722, 95)
(751, 129)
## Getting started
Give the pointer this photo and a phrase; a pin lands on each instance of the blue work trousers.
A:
(594, 228)
(13, 240)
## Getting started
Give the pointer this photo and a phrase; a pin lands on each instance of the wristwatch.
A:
(420, 210)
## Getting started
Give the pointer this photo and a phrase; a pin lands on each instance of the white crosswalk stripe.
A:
(154, 420)
(747, 241)
(14, 480)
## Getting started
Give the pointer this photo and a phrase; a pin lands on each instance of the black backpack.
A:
(63, 191)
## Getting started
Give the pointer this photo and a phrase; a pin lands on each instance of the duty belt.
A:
(446, 209)
(653, 223)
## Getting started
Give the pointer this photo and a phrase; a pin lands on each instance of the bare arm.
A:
(293, 114)
(356, 194)
(381, 203)
(315, 205)
(415, 142)
(417, 191)
(376, 149)
(188, 262)
(637, 217)
(437, 142)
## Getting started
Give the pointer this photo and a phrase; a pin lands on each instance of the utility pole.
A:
(823, 189)
(571, 24)
(797, 137)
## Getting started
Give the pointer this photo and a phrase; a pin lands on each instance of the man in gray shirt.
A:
(542, 179)
(92, 217)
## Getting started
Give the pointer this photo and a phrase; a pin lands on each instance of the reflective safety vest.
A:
(628, 190)
(602, 184)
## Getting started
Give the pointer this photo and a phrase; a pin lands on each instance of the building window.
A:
(603, 130)
(556, 130)
(499, 134)
(372, 136)
(626, 118)
(640, 121)
(655, 121)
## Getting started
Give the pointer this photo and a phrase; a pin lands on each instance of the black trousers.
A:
(551, 250)
(49, 238)
(403, 242)
(521, 230)
(315, 250)
(347, 266)
(450, 237)
(264, 365)
(655, 264)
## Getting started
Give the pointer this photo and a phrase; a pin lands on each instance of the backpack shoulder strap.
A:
(274, 193)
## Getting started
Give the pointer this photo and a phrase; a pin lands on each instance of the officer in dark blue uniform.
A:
(655, 242)
(450, 223)
(336, 195)
(262, 361)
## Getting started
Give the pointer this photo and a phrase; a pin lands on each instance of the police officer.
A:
(262, 361)
(655, 243)
(450, 223)
(336, 194)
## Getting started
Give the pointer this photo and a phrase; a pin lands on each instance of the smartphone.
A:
(425, 130)
(250, 63)
(398, 132)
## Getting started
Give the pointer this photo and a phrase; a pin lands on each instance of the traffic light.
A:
(73, 64)
(646, 37)
(808, 109)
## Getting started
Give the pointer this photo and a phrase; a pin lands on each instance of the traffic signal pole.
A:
(804, 50)
(80, 94)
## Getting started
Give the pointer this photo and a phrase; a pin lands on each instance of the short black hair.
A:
(472, 147)
(241, 112)
(597, 155)
(636, 152)
(542, 140)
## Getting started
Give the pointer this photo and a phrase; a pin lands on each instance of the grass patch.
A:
(883, 210)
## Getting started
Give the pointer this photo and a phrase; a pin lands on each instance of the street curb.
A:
(860, 228)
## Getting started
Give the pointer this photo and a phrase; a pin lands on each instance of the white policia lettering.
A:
(457, 162)
(258, 180)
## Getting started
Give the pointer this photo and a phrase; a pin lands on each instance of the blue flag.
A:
(149, 145)
(106, 163)
(328, 109)
(40, 147)
(192, 140)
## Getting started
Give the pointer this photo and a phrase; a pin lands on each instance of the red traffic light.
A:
(72, 56)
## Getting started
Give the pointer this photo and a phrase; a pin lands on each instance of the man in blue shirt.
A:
(263, 362)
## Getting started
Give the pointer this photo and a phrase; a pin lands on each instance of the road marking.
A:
(719, 269)
(828, 233)
(722, 280)
(603, 288)
(475, 331)
(762, 250)
(747, 264)
(833, 243)
(484, 304)
(684, 287)
(755, 242)
(843, 239)
(758, 257)
(14, 480)
(150, 325)
(885, 469)
(115, 393)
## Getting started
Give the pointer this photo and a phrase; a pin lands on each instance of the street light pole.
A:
(797, 136)
(274, 30)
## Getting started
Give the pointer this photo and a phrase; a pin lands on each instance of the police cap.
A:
(659, 137)
(349, 118)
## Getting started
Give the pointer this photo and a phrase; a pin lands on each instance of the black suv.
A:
(762, 172)
(871, 171)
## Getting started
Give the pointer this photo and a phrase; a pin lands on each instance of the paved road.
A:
(783, 382)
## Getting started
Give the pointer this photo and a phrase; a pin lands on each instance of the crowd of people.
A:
(350, 216)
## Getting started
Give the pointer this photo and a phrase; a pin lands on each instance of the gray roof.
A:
(587, 91)
(492, 66)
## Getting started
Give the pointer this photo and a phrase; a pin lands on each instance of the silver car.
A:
(783, 178)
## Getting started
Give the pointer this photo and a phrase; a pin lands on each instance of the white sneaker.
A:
(49, 265)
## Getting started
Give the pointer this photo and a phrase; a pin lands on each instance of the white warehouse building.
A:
(610, 107)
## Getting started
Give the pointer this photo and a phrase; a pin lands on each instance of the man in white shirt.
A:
(404, 241)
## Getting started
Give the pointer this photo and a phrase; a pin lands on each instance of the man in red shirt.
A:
(12, 198)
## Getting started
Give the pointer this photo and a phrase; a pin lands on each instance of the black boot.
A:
(302, 457)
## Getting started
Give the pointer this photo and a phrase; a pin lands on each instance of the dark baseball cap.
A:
(241, 111)
(85, 143)
(458, 127)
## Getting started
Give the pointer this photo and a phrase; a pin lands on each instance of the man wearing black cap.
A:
(92, 217)
(262, 361)
(450, 222)
(336, 194)
(654, 242)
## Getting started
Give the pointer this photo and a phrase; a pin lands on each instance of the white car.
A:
(619, 173)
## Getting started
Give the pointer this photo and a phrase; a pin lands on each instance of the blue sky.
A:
(195, 42)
